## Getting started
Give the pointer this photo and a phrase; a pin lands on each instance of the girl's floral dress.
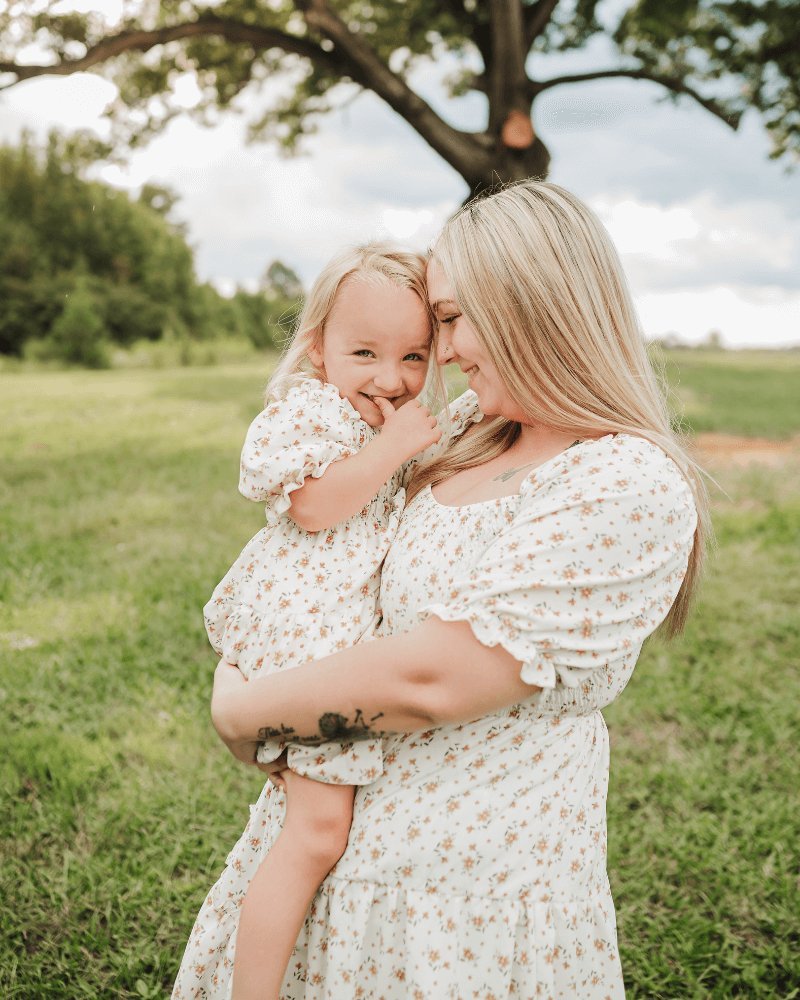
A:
(294, 595)
(476, 864)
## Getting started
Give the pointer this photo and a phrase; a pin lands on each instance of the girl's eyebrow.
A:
(371, 344)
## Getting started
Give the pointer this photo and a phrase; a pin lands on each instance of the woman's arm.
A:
(435, 674)
(349, 484)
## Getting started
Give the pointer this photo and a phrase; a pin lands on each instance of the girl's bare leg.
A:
(313, 838)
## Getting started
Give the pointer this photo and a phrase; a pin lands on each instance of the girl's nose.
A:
(388, 379)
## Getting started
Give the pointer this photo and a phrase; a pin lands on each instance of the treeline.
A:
(85, 267)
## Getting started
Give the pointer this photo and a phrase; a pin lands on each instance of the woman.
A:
(561, 527)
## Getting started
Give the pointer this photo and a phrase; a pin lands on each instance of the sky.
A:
(707, 226)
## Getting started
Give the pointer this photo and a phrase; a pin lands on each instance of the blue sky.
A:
(707, 226)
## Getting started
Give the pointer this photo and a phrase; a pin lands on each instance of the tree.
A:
(280, 282)
(84, 267)
(726, 55)
(79, 336)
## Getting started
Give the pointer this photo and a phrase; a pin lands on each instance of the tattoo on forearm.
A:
(332, 726)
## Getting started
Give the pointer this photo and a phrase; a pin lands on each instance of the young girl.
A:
(326, 456)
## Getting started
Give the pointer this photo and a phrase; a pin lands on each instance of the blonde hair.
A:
(368, 262)
(537, 277)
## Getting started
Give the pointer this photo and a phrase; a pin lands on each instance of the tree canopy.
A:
(726, 55)
(83, 266)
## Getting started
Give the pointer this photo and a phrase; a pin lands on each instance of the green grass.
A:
(753, 393)
(118, 512)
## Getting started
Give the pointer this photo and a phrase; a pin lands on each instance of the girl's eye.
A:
(413, 357)
(364, 353)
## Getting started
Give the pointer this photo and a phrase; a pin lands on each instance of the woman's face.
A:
(459, 344)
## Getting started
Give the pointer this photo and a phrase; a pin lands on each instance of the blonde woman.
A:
(561, 527)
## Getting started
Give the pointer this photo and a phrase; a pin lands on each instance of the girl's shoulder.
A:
(303, 396)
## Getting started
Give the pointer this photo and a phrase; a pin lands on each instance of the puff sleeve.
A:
(296, 437)
(589, 564)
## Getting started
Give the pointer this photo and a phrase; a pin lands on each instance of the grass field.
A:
(119, 512)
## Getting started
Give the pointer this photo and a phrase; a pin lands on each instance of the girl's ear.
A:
(314, 351)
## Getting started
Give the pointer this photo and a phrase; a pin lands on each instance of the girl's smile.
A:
(376, 342)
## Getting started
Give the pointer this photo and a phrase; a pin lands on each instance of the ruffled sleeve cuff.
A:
(537, 669)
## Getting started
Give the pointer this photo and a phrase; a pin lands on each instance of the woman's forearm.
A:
(434, 674)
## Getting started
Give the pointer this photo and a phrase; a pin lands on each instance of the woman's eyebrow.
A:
(443, 302)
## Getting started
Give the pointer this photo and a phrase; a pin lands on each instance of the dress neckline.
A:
(476, 503)
(516, 496)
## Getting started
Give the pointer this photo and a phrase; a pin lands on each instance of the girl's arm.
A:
(435, 674)
(349, 484)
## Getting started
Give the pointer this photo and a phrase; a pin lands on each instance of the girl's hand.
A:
(274, 771)
(412, 428)
(229, 687)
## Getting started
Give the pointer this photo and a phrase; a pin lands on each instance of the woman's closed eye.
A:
(447, 320)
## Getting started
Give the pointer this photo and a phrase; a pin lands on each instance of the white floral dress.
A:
(476, 864)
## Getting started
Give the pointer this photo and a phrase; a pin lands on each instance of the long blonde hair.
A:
(537, 277)
(369, 262)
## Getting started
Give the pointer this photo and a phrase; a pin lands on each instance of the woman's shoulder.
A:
(609, 468)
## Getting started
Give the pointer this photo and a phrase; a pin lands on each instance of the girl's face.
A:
(377, 342)
(458, 344)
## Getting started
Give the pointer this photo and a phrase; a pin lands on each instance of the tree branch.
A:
(142, 41)
(675, 84)
(537, 18)
(462, 150)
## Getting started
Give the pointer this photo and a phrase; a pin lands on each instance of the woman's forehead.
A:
(439, 287)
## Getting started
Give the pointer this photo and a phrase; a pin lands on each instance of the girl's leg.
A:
(313, 838)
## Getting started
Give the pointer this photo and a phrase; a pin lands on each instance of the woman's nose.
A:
(444, 346)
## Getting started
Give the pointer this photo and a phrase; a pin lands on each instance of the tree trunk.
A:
(509, 165)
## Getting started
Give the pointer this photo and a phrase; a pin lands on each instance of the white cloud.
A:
(647, 230)
(770, 318)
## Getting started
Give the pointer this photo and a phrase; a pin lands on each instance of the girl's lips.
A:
(389, 399)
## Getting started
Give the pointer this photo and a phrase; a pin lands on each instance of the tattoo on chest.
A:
(332, 726)
(505, 476)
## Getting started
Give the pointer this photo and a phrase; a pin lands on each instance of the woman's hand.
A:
(229, 686)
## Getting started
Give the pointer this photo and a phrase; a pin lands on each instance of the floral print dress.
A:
(476, 863)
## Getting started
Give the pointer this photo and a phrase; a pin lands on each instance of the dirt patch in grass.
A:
(732, 449)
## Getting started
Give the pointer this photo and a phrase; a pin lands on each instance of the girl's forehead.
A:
(379, 313)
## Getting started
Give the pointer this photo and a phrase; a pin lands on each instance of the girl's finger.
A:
(384, 406)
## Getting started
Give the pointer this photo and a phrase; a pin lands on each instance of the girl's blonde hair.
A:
(537, 277)
(368, 262)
